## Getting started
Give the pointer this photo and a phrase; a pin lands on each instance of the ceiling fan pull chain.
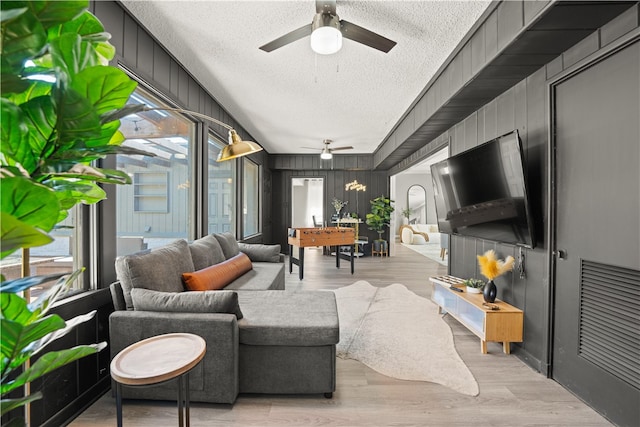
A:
(315, 68)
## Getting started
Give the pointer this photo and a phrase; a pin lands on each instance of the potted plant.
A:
(406, 213)
(474, 286)
(60, 108)
(379, 218)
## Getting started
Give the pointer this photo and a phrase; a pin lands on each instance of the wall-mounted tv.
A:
(482, 192)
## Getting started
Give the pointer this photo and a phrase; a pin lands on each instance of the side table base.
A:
(184, 418)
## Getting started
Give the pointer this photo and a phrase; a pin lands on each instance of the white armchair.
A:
(410, 236)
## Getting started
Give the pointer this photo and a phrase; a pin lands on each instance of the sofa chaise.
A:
(260, 338)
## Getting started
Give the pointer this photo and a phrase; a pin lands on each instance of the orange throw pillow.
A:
(218, 275)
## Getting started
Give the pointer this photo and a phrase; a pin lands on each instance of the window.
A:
(221, 194)
(63, 255)
(157, 208)
(251, 199)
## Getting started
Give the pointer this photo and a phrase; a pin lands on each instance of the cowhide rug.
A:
(399, 334)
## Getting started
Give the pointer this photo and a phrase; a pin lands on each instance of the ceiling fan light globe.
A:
(326, 37)
(326, 155)
(326, 40)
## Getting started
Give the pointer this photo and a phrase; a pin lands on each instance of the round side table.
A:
(156, 360)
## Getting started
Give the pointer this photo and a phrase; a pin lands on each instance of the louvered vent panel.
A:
(610, 319)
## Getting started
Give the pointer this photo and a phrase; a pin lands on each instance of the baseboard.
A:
(529, 359)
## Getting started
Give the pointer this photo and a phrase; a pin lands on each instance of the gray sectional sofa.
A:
(260, 338)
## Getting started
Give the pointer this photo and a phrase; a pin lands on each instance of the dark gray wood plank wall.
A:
(524, 107)
(71, 388)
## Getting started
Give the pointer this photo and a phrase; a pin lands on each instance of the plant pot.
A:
(380, 247)
(471, 290)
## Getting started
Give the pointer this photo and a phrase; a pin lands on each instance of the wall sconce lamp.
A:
(236, 148)
(355, 185)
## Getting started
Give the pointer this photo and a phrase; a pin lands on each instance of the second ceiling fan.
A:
(326, 31)
(327, 151)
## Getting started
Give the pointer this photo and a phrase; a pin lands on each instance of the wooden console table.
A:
(328, 236)
(502, 325)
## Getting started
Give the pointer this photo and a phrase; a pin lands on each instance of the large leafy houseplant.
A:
(60, 108)
(380, 216)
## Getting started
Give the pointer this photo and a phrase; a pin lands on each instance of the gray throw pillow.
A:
(206, 252)
(187, 302)
(159, 269)
(260, 252)
(229, 244)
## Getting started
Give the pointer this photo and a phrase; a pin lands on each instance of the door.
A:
(307, 202)
(596, 341)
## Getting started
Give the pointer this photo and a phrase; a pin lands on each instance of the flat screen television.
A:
(482, 192)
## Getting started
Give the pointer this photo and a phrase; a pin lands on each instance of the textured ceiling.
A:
(293, 98)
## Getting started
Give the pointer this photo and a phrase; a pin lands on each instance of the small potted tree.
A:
(379, 218)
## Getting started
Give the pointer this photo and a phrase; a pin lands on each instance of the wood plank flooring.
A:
(511, 393)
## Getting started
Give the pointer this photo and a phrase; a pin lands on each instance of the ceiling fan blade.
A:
(366, 37)
(312, 148)
(326, 6)
(287, 38)
(340, 148)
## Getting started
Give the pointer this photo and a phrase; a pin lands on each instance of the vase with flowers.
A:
(491, 267)
(338, 205)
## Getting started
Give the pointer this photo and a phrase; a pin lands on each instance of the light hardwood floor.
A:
(511, 393)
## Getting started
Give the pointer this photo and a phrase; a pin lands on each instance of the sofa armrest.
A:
(117, 296)
(218, 382)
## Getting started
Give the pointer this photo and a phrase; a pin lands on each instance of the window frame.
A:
(258, 188)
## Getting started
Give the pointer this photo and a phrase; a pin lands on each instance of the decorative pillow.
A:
(159, 269)
(187, 302)
(229, 244)
(205, 252)
(219, 275)
(261, 253)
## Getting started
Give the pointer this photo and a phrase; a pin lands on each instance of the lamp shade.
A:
(237, 147)
(326, 37)
(326, 154)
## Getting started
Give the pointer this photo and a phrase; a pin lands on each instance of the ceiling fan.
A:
(326, 152)
(327, 30)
